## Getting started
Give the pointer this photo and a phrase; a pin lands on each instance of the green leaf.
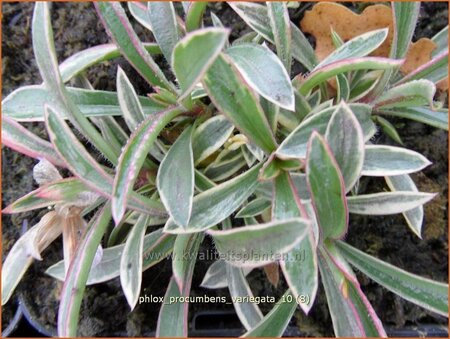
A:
(387, 202)
(327, 189)
(264, 73)
(66, 190)
(20, 139)
(237, 101)
(163, 21)
(216, 275)
(194, 54)
(405, 19)
(257, 18)
(321, 74)
(210, 136)
(248, 312)
(351, 312)
(281, 28)
(79, 62)
(175, 179)
(121, 32)
(254, 208)
(131, 262)
(413, 217)
(413, 93)
(389, 129)
(194, 15)
(295, 144)
(343, 88)
(441, 40)
(139, 11)
(424, 292)
(214, 205)
(299, 265)
(84, 166)
(172, 319)
(77, 275)
(157, 247)
(276, 321)
(128, 100)
(346, 140)
(257, 245)
(434, 70)
(435, 118)
(184, 257)
(383, 160)
(357, 47)
(27, 103)
(223, 169)
(133, 157)
(44, 51)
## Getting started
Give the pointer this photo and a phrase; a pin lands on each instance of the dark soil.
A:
(105, 311)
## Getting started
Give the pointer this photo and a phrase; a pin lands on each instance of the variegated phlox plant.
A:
(237, 148)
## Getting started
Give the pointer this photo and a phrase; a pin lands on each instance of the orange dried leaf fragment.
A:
(326, 15)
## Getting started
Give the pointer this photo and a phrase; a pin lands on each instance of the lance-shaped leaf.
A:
(82, 164)
(256, 16)
(22, 140)
(414, 217)
(133, 157)
(131, 262)
(295, 144)
(194, 15)
(413, 93)
(434, 70)
(77, 275)
(128, 101)
(232, 96)
(299, 265)
(275, 322)
(257, 245)
(27, 103)
(435, 118)
(66, 190)
(254, 208)
(281, 29)
(323, 73)
(359, 46)
(175, 179)
(424, 292)
(441, 40)
(351, 312)
(194, 54)
(157, 247)
(383, 160)
(210, 136)
(327, 189)
(214, 205)
(216, 275)
(45, 54)
(139, 11)
(119, 28)
(346, 140)
(184, 258)
(163, 20)
(248, 312)
(88, 57)
(405, 20)
(264, 73)
(172, 319)
(387, 202)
